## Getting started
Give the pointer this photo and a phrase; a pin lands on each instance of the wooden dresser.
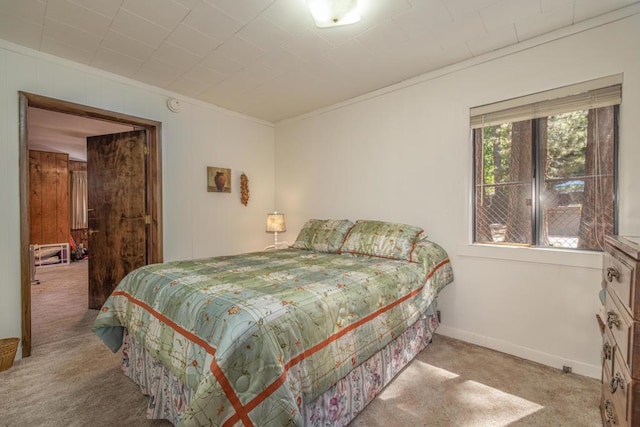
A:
(620, 320)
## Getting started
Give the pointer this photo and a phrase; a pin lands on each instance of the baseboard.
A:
(580, 368)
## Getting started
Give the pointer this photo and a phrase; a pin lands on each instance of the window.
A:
(79, 200)
(544, 167)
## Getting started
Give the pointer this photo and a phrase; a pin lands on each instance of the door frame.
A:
(154, 186)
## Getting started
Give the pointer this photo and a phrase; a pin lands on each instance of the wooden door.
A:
(116, 183)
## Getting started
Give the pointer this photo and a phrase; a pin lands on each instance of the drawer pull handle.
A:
(616, 381)
(611, 273)
(607, 350)
(609, 413)
(612, 319)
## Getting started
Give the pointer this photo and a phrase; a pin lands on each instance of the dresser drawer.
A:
(619, 385)
(623, 329)
(612, 413)
(620, 276)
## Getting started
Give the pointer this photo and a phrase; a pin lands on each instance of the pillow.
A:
(382, 239)
(323, 235)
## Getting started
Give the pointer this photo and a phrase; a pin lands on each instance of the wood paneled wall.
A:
(48, 197)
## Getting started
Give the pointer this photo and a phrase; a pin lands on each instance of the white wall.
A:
(404, 154)
(196, 223)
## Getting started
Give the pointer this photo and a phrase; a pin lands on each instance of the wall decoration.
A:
(244, 189)
(218, 180)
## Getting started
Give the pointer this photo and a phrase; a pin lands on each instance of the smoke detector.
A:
(174, 104)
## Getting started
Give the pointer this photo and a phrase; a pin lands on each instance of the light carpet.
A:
(72, 379)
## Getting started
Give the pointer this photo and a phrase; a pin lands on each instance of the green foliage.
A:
(496, 148)
(566, 144)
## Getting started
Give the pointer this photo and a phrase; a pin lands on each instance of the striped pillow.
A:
(323, 235)
(382, 239)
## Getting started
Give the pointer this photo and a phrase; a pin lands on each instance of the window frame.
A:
(537, 178)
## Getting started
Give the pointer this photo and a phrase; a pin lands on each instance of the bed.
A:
(301, 336)
(49, 254)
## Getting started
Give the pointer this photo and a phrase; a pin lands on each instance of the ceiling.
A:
(266, 58)
(65, 133)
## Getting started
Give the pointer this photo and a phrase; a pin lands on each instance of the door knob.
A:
(91, 231)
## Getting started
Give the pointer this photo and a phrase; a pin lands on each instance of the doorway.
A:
(58, 216)
(153, 190)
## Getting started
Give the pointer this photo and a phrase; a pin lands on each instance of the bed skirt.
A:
(169, 397)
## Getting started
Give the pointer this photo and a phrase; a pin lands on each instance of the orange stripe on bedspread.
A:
(241, 412)
(280, 380)
(440, 264)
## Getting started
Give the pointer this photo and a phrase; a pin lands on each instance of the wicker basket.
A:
(8, 348)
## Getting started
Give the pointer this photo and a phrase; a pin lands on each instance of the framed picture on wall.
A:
(218, 180)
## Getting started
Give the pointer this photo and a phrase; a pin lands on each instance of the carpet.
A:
(72, 379)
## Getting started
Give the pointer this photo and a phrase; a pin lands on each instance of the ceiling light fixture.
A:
(332, 13)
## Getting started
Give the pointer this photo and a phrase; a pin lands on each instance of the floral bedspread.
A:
(257, 335)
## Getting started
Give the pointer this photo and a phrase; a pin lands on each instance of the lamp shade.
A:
(275, 223)
(331, 13)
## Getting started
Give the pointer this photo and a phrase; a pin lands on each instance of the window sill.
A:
(572, 258)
